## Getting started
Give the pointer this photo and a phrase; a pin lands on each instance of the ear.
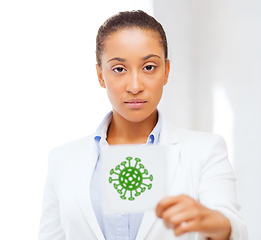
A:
(100, 77)
(167, 70)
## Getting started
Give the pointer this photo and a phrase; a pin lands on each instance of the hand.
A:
(184, 214)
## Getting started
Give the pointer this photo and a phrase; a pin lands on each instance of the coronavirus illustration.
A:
(130, 178)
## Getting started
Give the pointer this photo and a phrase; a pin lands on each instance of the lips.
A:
(135, 103)
(135, 100)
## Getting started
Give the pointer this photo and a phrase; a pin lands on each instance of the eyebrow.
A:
(149, 56)
(118, 59)
(123, 60)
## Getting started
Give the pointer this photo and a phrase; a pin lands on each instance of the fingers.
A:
(167, 202)
(185, 227)
(182, 224)
(164, 204)
(174, 219)
(180, 213)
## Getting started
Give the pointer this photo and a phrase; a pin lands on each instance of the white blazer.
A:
(198, 167)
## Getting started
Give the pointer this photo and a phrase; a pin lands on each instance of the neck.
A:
(122, 131)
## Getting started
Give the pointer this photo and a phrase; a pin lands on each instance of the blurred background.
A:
(49, 93)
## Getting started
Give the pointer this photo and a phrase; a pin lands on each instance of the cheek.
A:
(156, 90)
(158, 93)
(113, 90)
(157, 86)
(109, 82)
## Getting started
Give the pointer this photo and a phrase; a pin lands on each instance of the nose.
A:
(135, 84)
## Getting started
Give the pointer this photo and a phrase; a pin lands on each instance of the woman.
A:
(133, 67)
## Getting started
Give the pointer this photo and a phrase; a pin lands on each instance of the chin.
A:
(136, 115)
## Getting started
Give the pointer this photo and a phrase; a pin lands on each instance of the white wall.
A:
(215, 83)
(49, 95)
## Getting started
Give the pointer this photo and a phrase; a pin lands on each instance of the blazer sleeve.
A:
(50, 224)
(217, 189)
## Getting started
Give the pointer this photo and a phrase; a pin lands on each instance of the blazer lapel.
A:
(167, 137)
(148, 220)
(86, 167)
(173, 159)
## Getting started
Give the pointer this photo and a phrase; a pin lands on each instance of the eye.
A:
(149, 68)
(118, 70)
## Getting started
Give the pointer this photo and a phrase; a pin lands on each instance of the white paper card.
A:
(133, 177)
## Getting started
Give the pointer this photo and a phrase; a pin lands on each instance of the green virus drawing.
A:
(130, 178)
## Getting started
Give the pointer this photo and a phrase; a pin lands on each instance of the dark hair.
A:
(128, 19)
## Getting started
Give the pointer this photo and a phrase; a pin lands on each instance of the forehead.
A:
(133, 41)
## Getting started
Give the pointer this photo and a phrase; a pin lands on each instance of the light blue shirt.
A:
(118, 226)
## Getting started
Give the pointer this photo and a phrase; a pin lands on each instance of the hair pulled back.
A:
(128, 19)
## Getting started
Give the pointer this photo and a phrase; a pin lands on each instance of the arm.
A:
(215, 215)
(50, 225)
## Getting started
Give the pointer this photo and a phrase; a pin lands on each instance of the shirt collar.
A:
(101, 132)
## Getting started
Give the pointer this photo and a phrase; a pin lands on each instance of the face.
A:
(134, 72)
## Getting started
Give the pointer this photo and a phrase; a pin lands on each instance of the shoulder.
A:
(74, 146)
(195, 137)
(194, 144)
(174, 133)
(71, 150)
(201, 143)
